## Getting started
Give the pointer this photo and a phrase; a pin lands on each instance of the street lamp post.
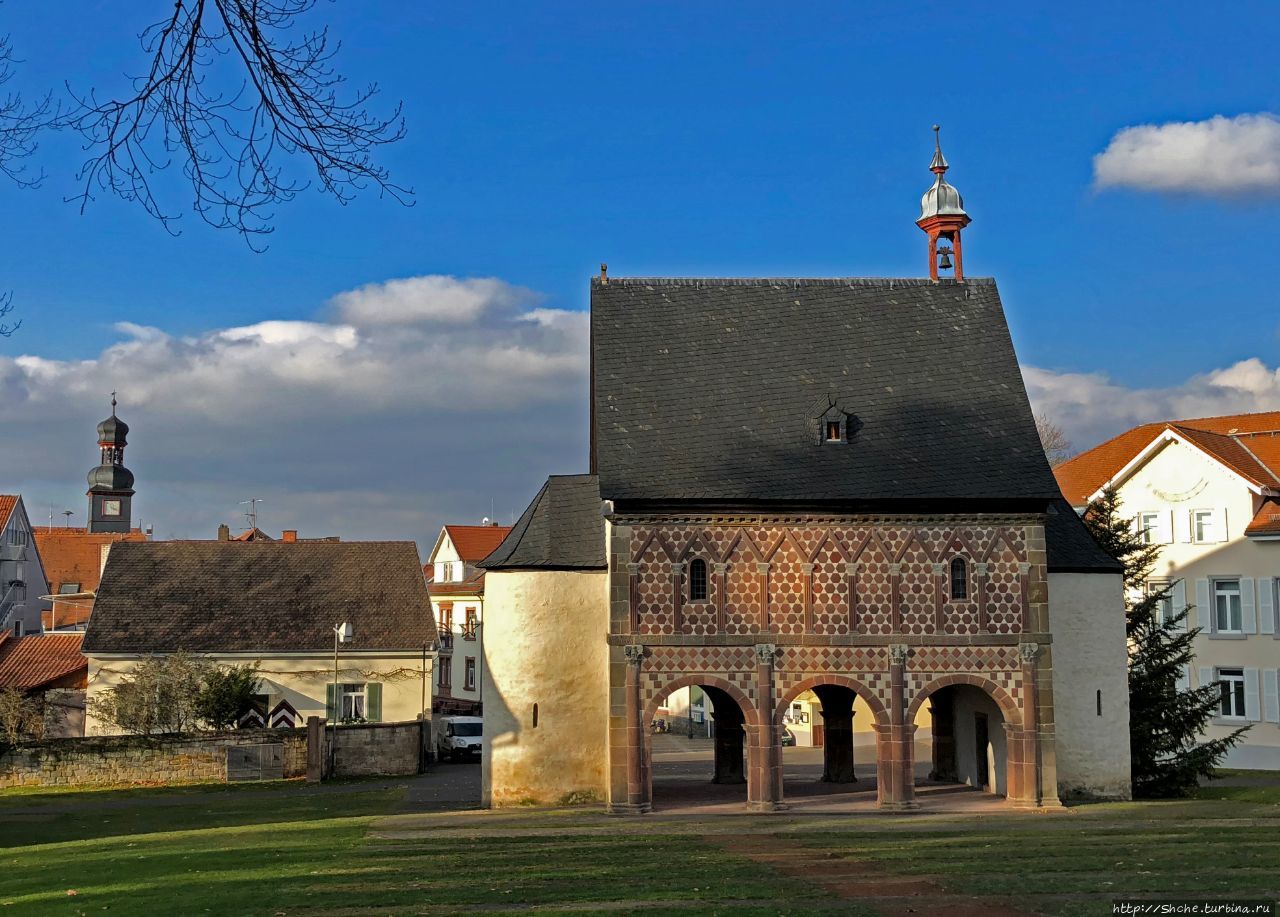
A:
(342, 633)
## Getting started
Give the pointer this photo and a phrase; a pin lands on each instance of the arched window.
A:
(959, 579)
(698, 580)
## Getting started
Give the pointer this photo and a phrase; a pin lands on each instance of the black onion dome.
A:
(113, 431)
(111, 477)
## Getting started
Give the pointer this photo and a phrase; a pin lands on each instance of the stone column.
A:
(1026, 792)
(765, 625)
(633, 598)
(638, 790)
(677, 597)
(895, 787)
(765, 783)
(980, 593)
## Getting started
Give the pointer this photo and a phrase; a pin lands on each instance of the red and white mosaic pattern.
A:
(868, 665)
(669, 667)
(828, 580)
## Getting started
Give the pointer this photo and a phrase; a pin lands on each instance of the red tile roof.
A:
(7, 503)
(1248, 444)
(72, 555)
(28, 663)
(1266, 521)
(476, 542)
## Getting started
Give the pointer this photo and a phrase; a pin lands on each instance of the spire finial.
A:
(939, 164)
(113, 403)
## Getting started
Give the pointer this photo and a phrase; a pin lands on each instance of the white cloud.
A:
(1223, 156)
(1090, 407)
(437, 393)
(433, 298)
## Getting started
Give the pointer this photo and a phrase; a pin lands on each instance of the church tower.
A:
(111, 484)
(942, 216)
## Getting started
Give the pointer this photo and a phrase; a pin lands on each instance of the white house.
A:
(456, 586)
(22, 579)
(1208, 492)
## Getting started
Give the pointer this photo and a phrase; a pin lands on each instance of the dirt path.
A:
(861, 882)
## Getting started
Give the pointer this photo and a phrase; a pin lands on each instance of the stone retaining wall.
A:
(390, 749)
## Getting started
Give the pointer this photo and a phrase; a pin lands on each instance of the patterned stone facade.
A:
(871, 603)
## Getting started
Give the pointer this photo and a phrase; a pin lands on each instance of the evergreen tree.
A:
(1169, 753)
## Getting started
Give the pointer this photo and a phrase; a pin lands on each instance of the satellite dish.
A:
(486, 521)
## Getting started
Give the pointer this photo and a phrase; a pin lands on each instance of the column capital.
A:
(894, 569)
(677, 566)
(939, 569)
(807, 567)
(763, 568)
(1024, 568)
(633, 569)
(634, 653)
(719, 568)
(1028, 652)
(980, 569)
(765, 653)
(898, 653)
(852, 569)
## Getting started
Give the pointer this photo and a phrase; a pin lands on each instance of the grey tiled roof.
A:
(218, 596)
(562, 529)
(1070, 546)
(711, 390)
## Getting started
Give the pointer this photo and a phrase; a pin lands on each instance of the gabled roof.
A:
(7, 503)
(260, 597)
(1246, 444)
(29, 663)
(476, 542)
(710, 390)
(1266, 521)
(563, 529)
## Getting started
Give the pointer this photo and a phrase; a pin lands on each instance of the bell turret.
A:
(942, 216)
(111, 483)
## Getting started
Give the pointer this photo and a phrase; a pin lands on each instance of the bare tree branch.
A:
(19, 125)
(6, 306)
(1057, 448)
(232, 90)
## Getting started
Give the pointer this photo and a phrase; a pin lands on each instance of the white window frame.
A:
(1214, 586)
(1197, 532)
(1165, 612)
(1231, 683)
(358, 694)
(1149, 532)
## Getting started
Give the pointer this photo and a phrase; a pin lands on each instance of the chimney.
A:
(289, 536)
(224, 533)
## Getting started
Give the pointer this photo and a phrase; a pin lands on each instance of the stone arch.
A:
(749, 712)
(1008, 708)
(877, 708)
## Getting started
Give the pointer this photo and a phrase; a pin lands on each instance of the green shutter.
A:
(329, 703)
(373, 697)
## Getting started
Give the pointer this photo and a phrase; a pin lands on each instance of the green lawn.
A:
(290, 849)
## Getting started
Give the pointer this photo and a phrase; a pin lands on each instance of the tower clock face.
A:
(111, 507)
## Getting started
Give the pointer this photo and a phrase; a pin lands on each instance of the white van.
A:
(459, 737)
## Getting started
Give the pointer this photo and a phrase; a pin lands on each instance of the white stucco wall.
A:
(1086, 618)
(545, 643)
(1174, 481)
(301, 680)
(20, 560)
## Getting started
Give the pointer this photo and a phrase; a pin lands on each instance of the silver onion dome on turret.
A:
(942, 199)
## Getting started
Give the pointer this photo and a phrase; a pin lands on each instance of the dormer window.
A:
(834, 434)
(698, 580)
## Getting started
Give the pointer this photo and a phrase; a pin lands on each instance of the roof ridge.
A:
(1107, 442)
(1253, 455)
(817, 281)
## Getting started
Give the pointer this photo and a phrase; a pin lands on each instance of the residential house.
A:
(22, 576)
(805, 484)
(456, 585)
(1208, 492)
(280, 606)
(73, 561)
(51, 668)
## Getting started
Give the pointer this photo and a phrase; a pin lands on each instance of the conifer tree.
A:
(1166, 724)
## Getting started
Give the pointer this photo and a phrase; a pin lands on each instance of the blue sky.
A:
(664, 138)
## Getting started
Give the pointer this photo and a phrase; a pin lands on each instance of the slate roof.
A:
(259, 597)
(710, 390)
(29, 663)
(1248, 444)
(1070, 545)
(562, 529)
